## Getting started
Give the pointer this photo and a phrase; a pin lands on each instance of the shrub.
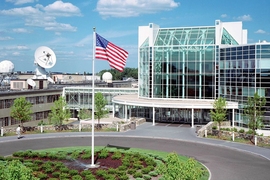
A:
(131, 171)
(75, 154)
(138, 175)
(137, 166)
(150, 162)
(227, 129)
(61, 157)
(241, 131)
(14, 169)
(42, 155)
(117, 155)
(35, 168)
(112, 171)
(123, 177)
(145, 170)
(153, 173)
(46, 166)
(90, 177)
(250, 131)
(18, 154)
(122, 168)
(52, 156)
(214, 127)
(42, 176)
(86, 156)
(59, 165)
(234, 129)
(49, 170)
(64, 170)
(73, 172)
(77, 177)
(174, 168)
(109, 177)
(86, 172)
(120, 173)
(64, 176)
(147, 177)
(56, 174)
(103, 154)
(100, 172)
(38, 162)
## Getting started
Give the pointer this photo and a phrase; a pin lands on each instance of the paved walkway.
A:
(226, 160)
(168, 131)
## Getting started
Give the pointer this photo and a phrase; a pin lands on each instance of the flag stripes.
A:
(108, 51)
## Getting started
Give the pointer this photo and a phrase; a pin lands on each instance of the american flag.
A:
(106, 50)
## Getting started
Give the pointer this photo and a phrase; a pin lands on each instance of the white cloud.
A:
(60, 27)
(244, 18)
(24, 11)
(22, 48)
(20, 30)
(129, 8)
(5, 38)
(224, 15)
(57, 33)
(45, 17)
(20, 2)
(59, 8)
(260, 31)
(16, 53)
(19, 47)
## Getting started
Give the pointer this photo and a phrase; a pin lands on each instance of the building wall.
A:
(42, 100)
(245, 70)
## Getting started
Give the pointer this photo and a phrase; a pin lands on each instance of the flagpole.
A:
(93, 96)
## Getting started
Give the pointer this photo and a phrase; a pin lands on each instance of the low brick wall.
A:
(260, 139)
(210, 131)
(122, 126)
(127, 126)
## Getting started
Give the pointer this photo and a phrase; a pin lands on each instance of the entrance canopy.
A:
(134, 100)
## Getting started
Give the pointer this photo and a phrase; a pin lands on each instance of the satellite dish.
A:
(45, 57)
(31, 82)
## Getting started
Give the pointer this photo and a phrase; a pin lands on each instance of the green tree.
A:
(21, 110)
(218, 113)
(15, 170)
(128, 72)
(59, 112)
(85, 113)
(100, 110)
(254, 112)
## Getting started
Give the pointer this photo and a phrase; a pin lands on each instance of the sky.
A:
(67, 26)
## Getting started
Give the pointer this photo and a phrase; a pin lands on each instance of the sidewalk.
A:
(179, 133)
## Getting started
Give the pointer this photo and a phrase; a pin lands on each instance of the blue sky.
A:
(67, 26)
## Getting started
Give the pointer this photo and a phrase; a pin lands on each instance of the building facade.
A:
(199, 64)
(244, 70)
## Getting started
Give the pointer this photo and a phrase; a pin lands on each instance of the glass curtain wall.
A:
(245, 70)
(183, 66)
